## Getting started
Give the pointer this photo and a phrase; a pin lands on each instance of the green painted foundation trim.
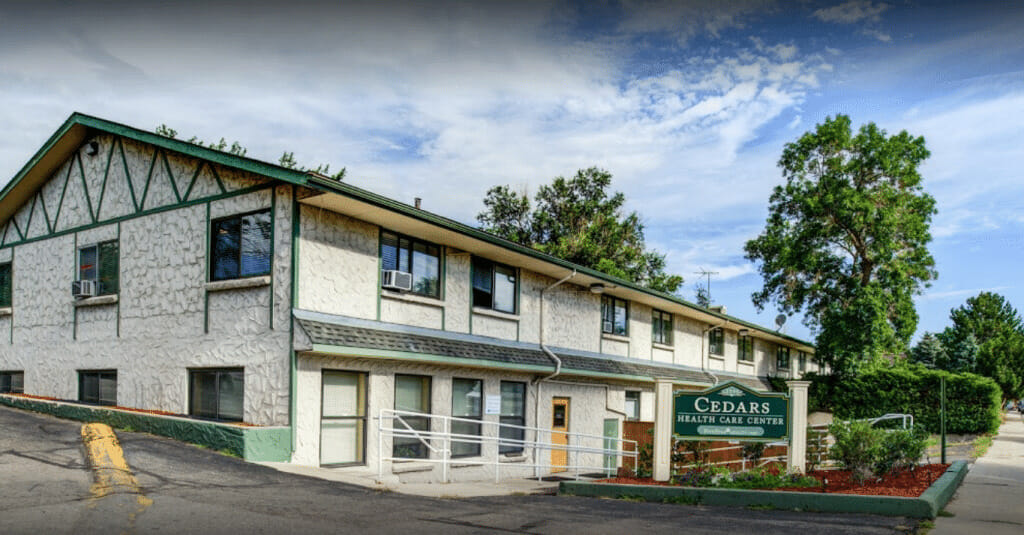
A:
(261, 444)
(927, 505)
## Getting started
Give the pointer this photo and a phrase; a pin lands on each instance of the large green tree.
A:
(846, 239)
(995, 326)
(576, 219)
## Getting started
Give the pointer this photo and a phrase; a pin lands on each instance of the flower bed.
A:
(903, 483)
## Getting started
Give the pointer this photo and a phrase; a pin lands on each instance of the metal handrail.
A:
(573, 447)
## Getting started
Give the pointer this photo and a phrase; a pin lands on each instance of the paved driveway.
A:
(45, 488)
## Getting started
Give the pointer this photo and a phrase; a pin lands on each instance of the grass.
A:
(945, 513)
(682, 500)
(981, 445)
(762, 507)
(631, 498)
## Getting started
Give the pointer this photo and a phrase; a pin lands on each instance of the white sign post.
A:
(663, 415)
(796, 456)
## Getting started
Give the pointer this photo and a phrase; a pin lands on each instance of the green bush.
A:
(901, 449)
(857, 447)
(972, 401)
(864, 449)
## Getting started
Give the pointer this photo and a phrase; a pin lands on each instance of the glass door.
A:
(343, 418)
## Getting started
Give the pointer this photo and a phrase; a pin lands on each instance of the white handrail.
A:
(574, 446)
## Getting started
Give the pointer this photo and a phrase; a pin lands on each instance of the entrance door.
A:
(343, 418)
(559, 436)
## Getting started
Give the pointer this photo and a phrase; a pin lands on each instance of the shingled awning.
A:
(342, 332)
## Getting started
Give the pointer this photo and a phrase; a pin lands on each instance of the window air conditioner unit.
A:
(396, 280)
(83, 288)
(607, 327)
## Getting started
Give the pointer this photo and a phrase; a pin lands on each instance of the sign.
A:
(492, 404)
(731, 411)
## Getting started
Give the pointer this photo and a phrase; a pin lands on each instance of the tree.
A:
(701, 295)
(846, 240)
(577, 220)
(287, 158)
(989, 323)
(928, 352)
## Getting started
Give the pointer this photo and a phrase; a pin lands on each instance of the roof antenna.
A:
(708, 274)
(417, 202)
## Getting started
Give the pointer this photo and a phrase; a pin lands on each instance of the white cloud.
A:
(851, 12)
(958, 294)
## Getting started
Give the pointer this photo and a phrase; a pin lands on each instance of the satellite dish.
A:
(779, 321)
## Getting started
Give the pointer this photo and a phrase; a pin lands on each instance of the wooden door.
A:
(559, 433)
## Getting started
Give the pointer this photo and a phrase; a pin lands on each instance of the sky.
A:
(687, 104)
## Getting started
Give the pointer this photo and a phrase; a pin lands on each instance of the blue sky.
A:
(688, 104)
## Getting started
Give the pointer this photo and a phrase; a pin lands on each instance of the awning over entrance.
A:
(342, 335)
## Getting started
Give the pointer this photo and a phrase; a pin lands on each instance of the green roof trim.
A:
(325, 184)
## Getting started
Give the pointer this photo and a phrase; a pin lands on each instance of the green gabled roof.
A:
(78, 128)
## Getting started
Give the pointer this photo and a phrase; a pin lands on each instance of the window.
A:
(494, 285)
(343, 418)
(614, 316)
(421, 259)
(716, 341)
(467, 402)
(98, 262)
(661, 327)
(12, 382)
(782, 358)
(802, 361)
(5, 285)
(632, 405)
(746, 349)
(513, 412)
(240, 246)
(217, 394)
(98, 387)
(412, 394)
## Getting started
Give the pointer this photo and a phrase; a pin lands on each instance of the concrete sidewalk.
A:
(469, 489)
(991, 498)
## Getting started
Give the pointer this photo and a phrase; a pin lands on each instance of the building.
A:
(142, 271)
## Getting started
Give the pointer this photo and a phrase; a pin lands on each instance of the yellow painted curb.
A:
(110, 470)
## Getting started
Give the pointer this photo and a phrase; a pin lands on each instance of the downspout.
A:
(554, 358)
(704, 353)
(558, 368)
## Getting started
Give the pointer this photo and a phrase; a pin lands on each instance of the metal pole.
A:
(447, 449)
(942, 418)
(380, 446)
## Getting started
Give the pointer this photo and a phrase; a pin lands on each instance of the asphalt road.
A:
(45, 488)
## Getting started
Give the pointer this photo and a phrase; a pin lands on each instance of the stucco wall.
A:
(156, 330)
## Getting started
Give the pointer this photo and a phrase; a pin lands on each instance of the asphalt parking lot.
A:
(47, 487)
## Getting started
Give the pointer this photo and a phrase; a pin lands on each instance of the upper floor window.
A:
(746, 349)
(6, 281)
(494, 285)
(716, 341)
(661, 327)
(614, 315)
(98, 262)
(240, 246)
(419, 258)
(802, 361)
(782, 358)
(632, 405)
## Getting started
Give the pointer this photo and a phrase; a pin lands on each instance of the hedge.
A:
(972, 401)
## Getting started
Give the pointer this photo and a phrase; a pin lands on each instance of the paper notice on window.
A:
(492, 405)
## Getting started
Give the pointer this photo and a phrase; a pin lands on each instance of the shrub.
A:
(901, 449)
(753, 451)
(817, 447)
(972, 401)
(857, 448)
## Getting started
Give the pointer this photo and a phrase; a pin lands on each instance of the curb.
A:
(927, 505)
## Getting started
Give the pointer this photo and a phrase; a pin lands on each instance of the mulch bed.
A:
(905, 483)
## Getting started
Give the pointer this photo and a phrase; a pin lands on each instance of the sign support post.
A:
(663, 418)
(796, 456)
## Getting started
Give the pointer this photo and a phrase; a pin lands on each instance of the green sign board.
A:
(731, 411)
